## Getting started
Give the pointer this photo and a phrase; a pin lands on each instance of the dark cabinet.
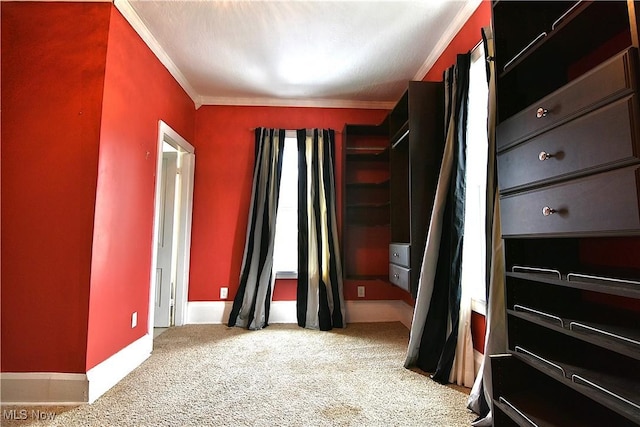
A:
(417, 141)
(366, 214)
(569, 176)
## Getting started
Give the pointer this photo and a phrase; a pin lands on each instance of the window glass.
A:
(285, 256)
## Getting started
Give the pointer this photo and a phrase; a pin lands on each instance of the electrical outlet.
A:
(360, 291)
(134, 319)
(224, 293)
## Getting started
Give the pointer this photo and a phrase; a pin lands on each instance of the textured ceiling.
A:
(324, 53)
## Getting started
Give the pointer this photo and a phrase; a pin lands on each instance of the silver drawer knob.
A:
(396, 275)
(544, 156)
(541, 112)
(395, 254)
(546, 211)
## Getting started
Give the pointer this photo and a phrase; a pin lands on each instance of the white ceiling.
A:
(297, 53)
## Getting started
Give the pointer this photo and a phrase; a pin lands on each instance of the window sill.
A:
(479, 306)
(286, 274)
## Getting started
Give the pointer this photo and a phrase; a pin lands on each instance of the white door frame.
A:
(186, 165)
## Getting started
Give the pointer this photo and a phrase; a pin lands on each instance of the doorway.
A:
(172, 230)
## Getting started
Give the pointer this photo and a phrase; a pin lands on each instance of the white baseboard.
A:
(108, 373)
(43, 388)
(217, 312)
(55, 388)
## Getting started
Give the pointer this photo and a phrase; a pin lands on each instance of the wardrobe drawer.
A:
(399, 254)
(610, 80)
(605, 203)
(399, 276)
(604, 138)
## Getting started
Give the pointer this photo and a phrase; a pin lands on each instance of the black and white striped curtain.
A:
(434, 330)
(320, 300)
(251, 303)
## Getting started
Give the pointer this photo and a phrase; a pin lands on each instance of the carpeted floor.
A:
(212, 375)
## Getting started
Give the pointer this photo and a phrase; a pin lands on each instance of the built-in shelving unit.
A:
(417, 141)
(366, 202)
(568, 142)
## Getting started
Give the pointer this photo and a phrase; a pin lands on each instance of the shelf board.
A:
(369, 205)
(627, 388)
(600, 340)
(381, 184)
(367, 153)
(368, 277)
(611, 288)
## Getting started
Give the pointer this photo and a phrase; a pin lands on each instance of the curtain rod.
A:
(253, 130)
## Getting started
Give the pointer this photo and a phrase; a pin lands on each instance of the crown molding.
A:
(447, 36)
(274, 102)
(129, 13)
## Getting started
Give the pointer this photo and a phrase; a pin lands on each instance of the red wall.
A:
(224, 165)
(466, 39)
(53, 62)
(139, 92)
(81, 97)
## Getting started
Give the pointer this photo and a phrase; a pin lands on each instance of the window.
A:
(285, 254)
(473, 251)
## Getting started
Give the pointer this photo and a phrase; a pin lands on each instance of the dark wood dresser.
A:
(568, 143)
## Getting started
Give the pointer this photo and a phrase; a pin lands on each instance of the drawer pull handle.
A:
(546, 211)
(544, 156)
(395, 254)
(541, 112)
(396, 275)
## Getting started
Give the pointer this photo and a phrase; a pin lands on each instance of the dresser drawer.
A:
(605, 203)
(399, 254)
(399, 276)
(612, 79)
(575, 147)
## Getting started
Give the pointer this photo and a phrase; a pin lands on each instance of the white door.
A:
(164, 270)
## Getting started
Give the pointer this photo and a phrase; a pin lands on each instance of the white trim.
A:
(55, 388)
(447, 37)
(108, 373)
(129, 13)
(318, 103)
(217, 312)
(43, 388)
(187, 153)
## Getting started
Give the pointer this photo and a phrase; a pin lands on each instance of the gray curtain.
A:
(320, 300)
(434, 330)
(251, 303)
(480, 400)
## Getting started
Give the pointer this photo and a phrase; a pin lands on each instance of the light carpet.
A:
(283, 375)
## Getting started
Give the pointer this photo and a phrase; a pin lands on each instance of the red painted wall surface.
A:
(224, 164)
(138, 93)
(53, 62)
(468, 36)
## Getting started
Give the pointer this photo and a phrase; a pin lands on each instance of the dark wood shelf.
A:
(567, 81)
(606, 287)
(366, 200)
(368, 185)
(368, 154)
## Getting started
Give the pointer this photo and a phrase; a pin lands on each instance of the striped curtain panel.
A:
(434, 330)
(251, 304)
(320, 300)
